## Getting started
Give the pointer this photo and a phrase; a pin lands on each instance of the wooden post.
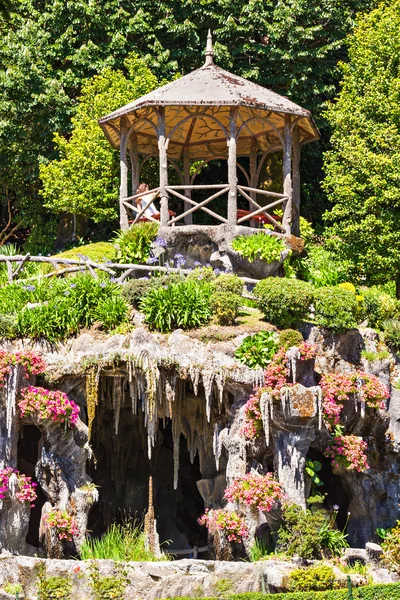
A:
(296, 184)
(163, 158)
(123, 165)
(287, 176)
(253, 173)
(232, 173)
(186, 181)
(133, 153)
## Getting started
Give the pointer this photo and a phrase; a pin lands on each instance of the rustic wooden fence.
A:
(62, 266)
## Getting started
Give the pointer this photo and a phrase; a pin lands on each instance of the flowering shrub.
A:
(337, 388)
(31, 362)
(275, 377)
(348, 451)
(221, 520)
(26, 485)
(261, 492)
(54, 405)
(64, 524)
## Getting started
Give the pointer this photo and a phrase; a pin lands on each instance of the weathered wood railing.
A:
(63, 266)
(178, 191)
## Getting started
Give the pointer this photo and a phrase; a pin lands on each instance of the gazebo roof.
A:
(211, 91)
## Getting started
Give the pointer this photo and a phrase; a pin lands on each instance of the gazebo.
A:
(205, 115)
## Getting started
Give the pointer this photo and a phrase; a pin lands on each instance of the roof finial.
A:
(209, 50)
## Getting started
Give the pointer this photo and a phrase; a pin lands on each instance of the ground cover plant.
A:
(256, 351)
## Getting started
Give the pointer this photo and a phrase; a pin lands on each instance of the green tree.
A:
(85, 178)
(50, 47)
(363, 168)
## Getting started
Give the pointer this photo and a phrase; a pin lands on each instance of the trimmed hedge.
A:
(390, 591)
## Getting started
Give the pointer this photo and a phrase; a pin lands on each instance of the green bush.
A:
(134, 244)
(284, 302)
(228, 283)
(256, 351)
(111, 312)
(259, 245)
(335, 308)
(225, 307)
(56, 309)
(52, 321)
(317, 578)
(322, 268)
(289, 338)
(390, 591)
(185, 304)
(379, 307)
(310, 534)
(391, 549)
(202, 274)
(135, 289)
(391, 333)
(108, 588)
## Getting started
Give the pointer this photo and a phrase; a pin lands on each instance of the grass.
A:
(122, 543)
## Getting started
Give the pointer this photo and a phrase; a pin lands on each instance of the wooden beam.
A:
(123, 166)
(163, 158)
(232, 172)
(287, 175)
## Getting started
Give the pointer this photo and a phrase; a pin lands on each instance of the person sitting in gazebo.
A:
(145, 200)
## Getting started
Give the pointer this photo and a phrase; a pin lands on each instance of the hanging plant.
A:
(48, 405)
(26, 486)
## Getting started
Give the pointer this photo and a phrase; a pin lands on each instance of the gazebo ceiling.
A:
(197, 108)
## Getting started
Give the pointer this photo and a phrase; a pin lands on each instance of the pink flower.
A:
(26, 487)
(48, 405)
(348, 451)
(258, 491)
(221, 520)
(64, 524)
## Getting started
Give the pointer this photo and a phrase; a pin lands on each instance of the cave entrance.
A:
(332, 487)
(28, 454)
(122, 470)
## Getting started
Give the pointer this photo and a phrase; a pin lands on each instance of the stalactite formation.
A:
(92, 395)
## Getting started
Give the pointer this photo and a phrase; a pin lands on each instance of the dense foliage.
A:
(362, 169)
(284, 302)
(50, 49)
(316, 578)
(183, 305)
(335, 308)
(259, 245)
(257, 350)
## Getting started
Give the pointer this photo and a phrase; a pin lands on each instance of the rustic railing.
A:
(177, 191)
(64, 266)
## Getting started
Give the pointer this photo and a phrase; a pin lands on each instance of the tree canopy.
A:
(85, 178)
(363, 167)
(49, 48)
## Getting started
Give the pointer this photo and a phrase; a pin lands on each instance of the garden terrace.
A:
(207, 115)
